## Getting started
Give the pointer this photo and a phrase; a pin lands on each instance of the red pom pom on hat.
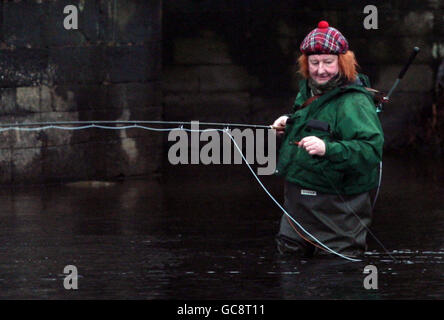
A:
(323, 25)
(324, 40)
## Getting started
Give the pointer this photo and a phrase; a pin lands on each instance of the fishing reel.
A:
(379, 98)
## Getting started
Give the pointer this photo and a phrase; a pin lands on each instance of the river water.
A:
(207, 232)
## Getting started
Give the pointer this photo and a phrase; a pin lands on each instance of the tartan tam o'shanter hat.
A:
(324, 40)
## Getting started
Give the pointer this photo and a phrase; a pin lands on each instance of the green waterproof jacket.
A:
(353, 144)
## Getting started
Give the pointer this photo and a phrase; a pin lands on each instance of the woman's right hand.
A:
(279, 124)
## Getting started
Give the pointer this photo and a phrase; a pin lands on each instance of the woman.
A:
(332, 145)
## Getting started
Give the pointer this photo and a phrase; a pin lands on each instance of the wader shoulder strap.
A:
(308, 101)
(377, 96)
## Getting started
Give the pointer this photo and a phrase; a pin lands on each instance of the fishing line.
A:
(86, 127)
(271, 196)
(283, 210)
(379, 185)
(93, 124)
(280, 206)
(288, 215)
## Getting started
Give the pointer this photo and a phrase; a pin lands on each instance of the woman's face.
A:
(322, 67)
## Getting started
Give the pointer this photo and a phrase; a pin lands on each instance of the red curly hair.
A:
(347, 65)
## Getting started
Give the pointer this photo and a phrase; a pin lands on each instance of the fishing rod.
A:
(403, 71)
(135, 123)
(385, 99)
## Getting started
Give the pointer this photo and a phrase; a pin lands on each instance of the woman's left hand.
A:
(313, 145)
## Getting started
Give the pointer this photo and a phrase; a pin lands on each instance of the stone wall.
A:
(235, 60)
(108, 69)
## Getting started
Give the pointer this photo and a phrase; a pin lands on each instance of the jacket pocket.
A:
(322, 173)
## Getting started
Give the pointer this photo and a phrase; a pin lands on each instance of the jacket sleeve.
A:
(358, 136)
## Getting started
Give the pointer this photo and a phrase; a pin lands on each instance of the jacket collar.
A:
(360, 82)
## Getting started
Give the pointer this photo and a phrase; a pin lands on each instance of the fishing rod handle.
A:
(409, 62)
(277, 128)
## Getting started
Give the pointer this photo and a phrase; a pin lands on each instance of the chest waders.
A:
(329, 217)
